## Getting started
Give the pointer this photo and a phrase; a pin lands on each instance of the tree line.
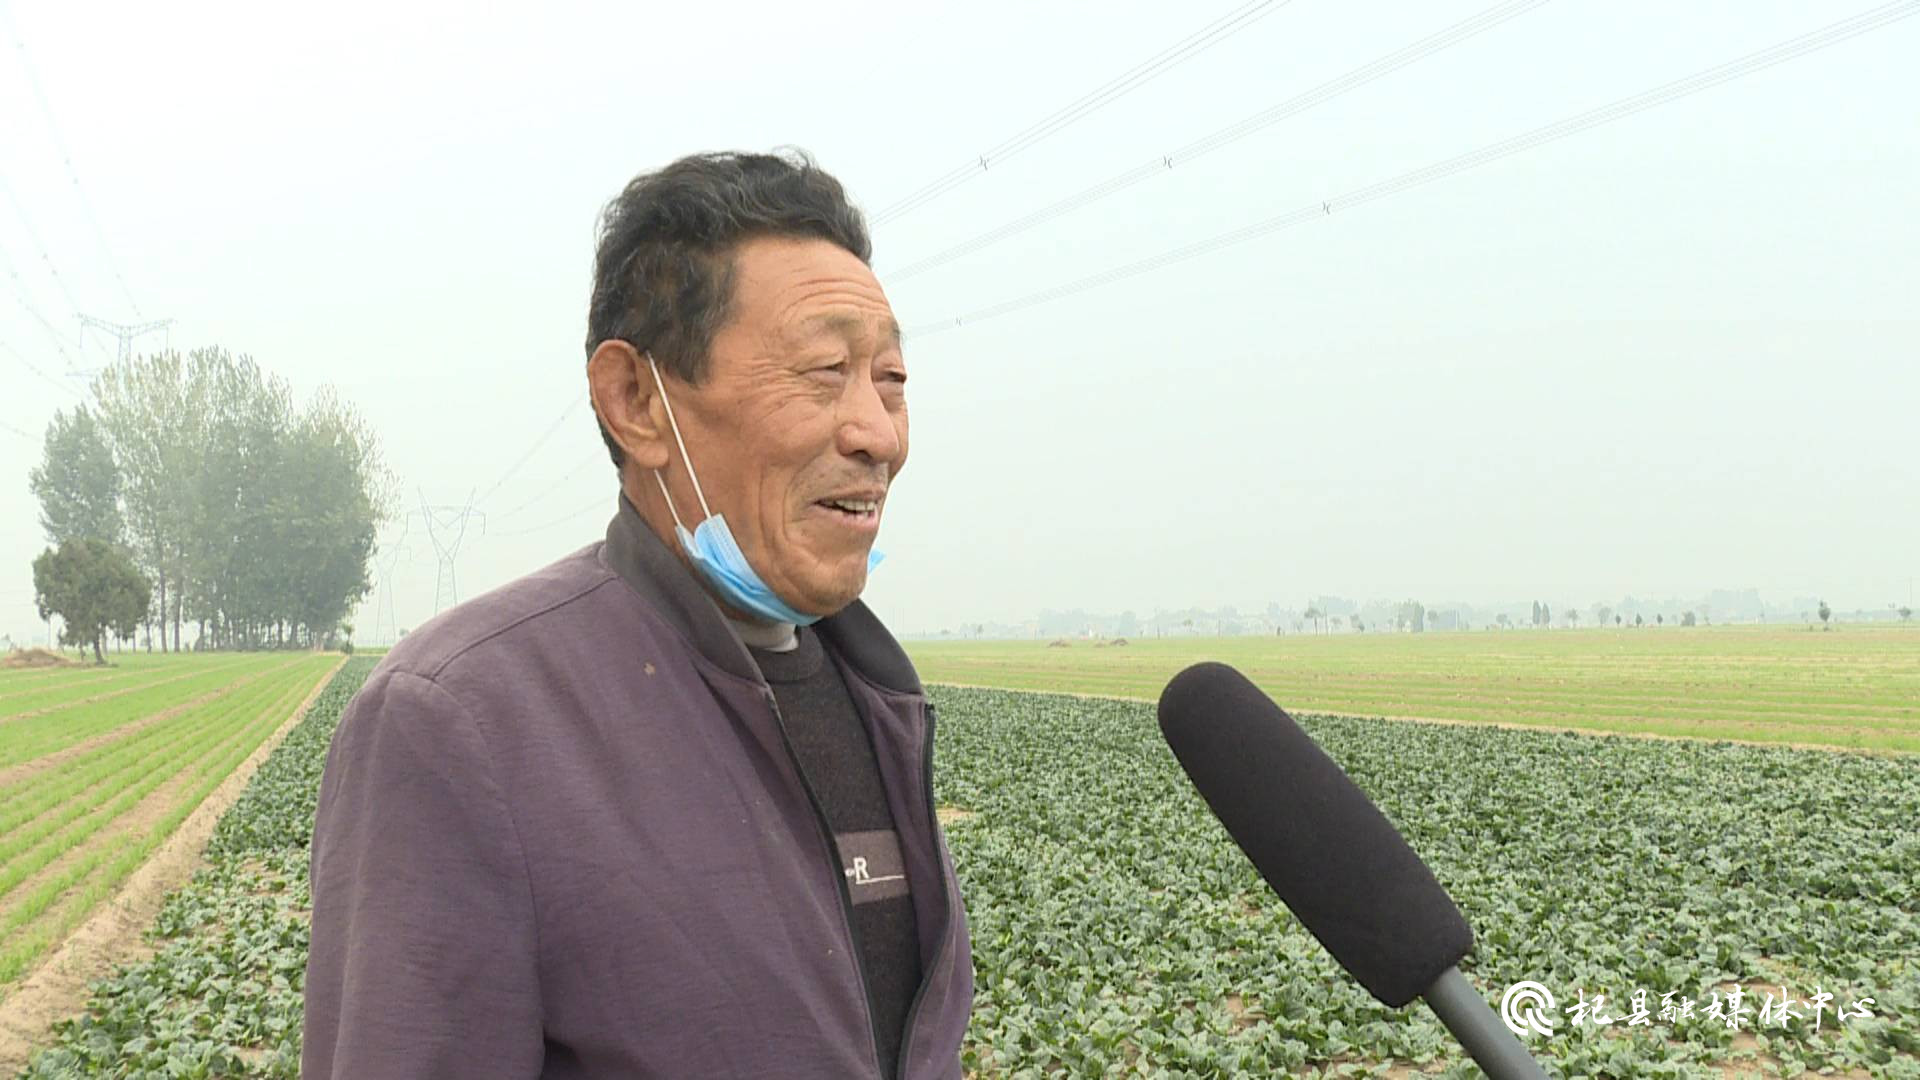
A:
(249, 519)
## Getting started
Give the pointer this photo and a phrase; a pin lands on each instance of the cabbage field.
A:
(1118, 932)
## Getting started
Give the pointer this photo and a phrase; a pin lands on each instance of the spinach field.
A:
(1118, 931)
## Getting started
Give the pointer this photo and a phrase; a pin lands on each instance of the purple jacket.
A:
(561, 834)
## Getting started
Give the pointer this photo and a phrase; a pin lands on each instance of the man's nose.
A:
(867, 428)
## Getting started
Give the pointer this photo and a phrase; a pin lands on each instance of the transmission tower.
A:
(123, 332)
(385, 627)
(446, 527)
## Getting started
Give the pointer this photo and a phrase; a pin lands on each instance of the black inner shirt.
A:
(836, 756)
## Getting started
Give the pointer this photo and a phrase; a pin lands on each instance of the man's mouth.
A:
(854, 508)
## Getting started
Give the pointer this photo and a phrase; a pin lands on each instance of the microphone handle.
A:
(1480, 1031)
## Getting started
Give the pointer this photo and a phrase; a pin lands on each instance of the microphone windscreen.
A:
(1326, 849)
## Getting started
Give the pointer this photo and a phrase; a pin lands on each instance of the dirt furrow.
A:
(13, 774)
(115, 933)
(19, 688)
(135, 819)
(105, 695)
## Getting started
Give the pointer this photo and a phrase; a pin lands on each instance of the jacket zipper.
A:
(946, 929)
(839, 878)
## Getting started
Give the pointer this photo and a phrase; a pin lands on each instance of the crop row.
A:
(1554, 688)
(51, 821)
(13, 702)
(57, 867)
(221, 994)
(27, 738)
(125, 664)
(84, 763)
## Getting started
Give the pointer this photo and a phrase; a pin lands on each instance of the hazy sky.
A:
(1676, 352)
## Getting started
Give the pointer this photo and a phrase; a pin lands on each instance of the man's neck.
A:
(766, 636)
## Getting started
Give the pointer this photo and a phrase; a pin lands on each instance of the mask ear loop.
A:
(675, 425)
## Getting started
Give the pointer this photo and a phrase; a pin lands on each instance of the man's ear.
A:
(628, 403)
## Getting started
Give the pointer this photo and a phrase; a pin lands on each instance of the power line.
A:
(73, 175)
(557, 485)
(20, 297)
(35, 368)
(1753, 62)
(537, 444)
(1132, 79)
(16, 431)
(125, 333)
(599, 503)
(1163, 163)
(33, 234)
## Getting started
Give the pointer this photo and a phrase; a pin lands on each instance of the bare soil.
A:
(115, 934)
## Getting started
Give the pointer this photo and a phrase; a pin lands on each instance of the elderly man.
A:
(664, 808)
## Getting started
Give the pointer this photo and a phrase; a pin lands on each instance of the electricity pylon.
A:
(385, 626)
(123, 332)
(447, 527)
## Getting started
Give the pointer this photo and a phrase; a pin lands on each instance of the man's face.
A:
(800, 425)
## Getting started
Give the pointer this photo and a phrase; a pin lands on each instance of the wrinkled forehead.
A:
(864, 327)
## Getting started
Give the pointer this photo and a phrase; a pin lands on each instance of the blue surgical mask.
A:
(713, 550)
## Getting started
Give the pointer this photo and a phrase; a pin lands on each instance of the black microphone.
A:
(1332, 856)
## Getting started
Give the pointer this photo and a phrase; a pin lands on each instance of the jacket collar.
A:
(645, 563)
